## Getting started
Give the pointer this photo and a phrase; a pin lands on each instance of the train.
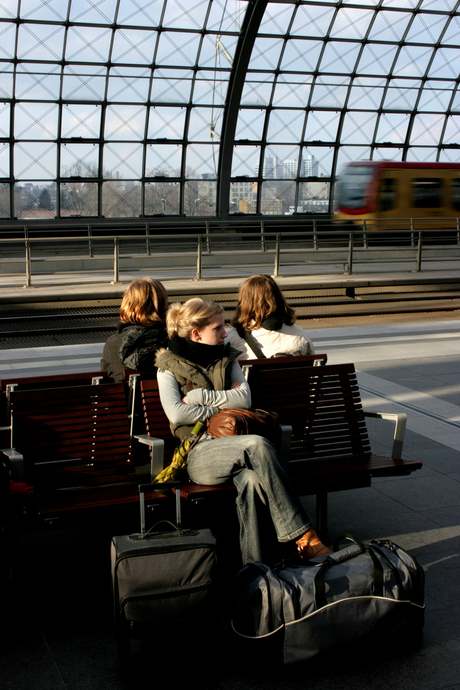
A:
(399, 196)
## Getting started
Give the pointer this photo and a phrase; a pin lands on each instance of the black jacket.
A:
(133, 347)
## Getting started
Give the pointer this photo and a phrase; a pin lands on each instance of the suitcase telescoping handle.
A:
(164, 485)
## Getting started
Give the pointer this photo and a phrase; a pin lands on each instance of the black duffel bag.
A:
(358, 595)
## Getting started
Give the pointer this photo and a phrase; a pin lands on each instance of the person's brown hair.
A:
(260, 297)
(181, 319)
(144, 302)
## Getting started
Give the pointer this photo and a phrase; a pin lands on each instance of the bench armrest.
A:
(400, 429)
(16, 463)
(283, 445)
(157, 446)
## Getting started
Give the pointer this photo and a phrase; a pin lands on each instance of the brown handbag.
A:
(235, 421)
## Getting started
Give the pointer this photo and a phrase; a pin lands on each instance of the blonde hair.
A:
(144, 302)
(260, 297)
(181, 319)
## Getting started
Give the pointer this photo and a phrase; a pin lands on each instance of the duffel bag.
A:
(359, 594)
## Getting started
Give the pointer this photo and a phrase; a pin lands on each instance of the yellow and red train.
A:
(387, 195)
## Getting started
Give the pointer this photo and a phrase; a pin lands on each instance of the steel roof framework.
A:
(164, 107)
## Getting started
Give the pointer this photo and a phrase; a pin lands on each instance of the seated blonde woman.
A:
(263, 312)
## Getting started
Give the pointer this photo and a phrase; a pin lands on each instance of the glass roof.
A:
(144, 108)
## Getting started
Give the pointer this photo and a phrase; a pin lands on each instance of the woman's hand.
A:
(185, 400)
(236, 384)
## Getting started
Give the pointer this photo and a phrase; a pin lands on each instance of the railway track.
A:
(81, 323)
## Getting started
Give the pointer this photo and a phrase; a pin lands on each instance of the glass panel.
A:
(392, 128)
(162, 198)
(35, 121)
(446, 63)
(402, 94)
(134, 47)
(121, 199)
(201, 160)
(314, 197)
(266, 53)
(122, 161)
(81, 120)
(389, 26)
(292, 90)
(426, 28)
(163, 160)
(413, 61)
(301, 55)
(34, 201)
(276, 197)
(285, 125)
(312, 21)
(38, 82)
(35, 161)
(422, 154)
(40, 42)
(4, 160)
(5, 197)
(166, 123)
(427, 129)
(203, 122)
(376, 59)
(88, 44)
(245, 161)
(366, 94)
(102, 12)
(138, 12)
(125, 122)
(350, 154)
(322, 126)
(452, 133)
(351, 23)
(78, 199)
(243, 196)
(171, 86)
(79, 160)
(257, 90)
(358, 128)
(250, 124)
(44, 11)
(84, 83)
(340, 58)
(180, 18)
(179, 50)
(319, 161)
(7, 40)
(436, 96)
(4, 120)
(330, 92)
(200, 197)
(128, 84)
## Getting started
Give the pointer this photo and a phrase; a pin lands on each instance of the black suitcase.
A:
(356, 598)
(163, 582)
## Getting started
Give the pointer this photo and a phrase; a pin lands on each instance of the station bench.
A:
(73, 446)
(330, 449)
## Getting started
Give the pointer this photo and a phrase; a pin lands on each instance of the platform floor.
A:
(58, 634)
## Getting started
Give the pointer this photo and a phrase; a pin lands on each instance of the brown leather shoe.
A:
(310, 546)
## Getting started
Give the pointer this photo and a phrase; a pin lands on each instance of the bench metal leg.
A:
(321, 512)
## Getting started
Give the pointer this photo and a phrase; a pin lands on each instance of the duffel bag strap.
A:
(342, 556)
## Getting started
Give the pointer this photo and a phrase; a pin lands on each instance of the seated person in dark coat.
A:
(140, 332)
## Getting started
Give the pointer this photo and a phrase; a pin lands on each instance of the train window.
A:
(455, 194)
(387, 194)
(427, 192)
(352, 187)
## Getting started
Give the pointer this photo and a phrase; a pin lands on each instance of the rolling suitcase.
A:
(163, 584)
(353, 600)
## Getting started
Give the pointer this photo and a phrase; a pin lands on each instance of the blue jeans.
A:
(262, 486)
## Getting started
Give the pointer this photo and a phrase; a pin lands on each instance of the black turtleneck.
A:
(198, 353)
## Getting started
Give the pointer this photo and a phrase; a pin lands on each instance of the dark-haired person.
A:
(263, 312)
(141, 330)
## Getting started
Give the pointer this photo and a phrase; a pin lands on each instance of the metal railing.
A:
(342, 248)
